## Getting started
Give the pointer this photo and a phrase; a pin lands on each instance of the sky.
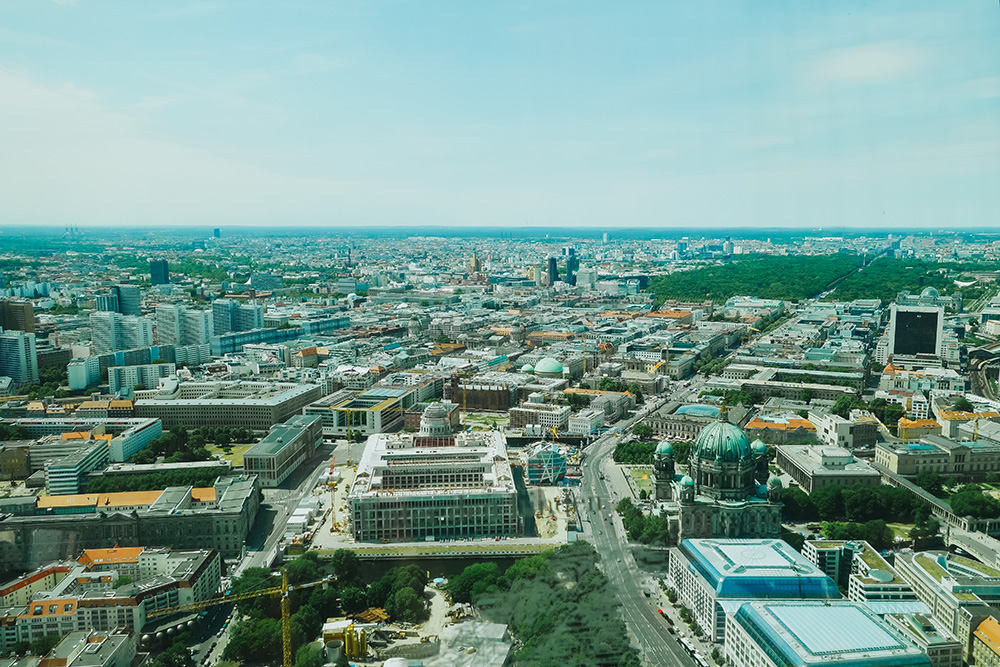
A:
(348, 114)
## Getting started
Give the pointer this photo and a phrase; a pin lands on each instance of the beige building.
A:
(936, 453)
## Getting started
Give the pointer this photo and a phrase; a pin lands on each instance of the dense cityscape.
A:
(234, 447)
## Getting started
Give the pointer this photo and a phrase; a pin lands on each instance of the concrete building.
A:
(83, 373)
(959, 591)
(229, 315)
(805, 633)
(128, 435)
(376, 410)
(17, 316)
(986, 644)
(586, 421)
(816, 466)
(713, 576)
(113, 331)
(408, 491)
(125, 378)
(547, 415)
(217, 517)
(920, 629)
(178, 325)
(18, 357)
(944, 456)
(89, 594)
(284, 449)
(860, 570)
(90, 648)
(860, 430)
(254, 405)
(64, 476)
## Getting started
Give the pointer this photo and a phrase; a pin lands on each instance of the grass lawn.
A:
(236, 458)
(642, 478)
(484, 420)
(901, 529)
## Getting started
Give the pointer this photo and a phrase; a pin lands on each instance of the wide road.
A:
(649, 632)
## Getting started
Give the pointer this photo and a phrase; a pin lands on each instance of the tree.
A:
(929, 481)
(123, 580)
(309, 656)
(345, 565)
(353, 600)
(971, 501)
(962, 404)
(42, 645)
(405, 606)
(304, 569)
(442, 340)
(798, 506)
(255, 640)
(829, 502)
(476, 578)
(178, 655)
(642, 431)
(671, 595)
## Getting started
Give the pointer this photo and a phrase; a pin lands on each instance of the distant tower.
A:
(605, 237)
(475, 264)
(217, 233)
(553, 271)
(159, 272)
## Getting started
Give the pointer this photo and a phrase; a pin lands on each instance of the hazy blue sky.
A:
(541, 112)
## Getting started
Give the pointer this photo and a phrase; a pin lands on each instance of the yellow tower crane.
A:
(286, 615)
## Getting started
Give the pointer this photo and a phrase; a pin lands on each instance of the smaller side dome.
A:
(774, 483)
(758, 446)
(687, 481)
(527, 368)
(664, 448)
(930, 292)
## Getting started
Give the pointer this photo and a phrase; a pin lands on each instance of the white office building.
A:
(18, 357)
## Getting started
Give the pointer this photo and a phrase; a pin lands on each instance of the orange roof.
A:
(120, 404)
(958, 416)
(918, 423)
(75, 435)
(60, 607)
(91, 405)
(203, 495)
(114, 555)
(122, 499)
(988, 632)
(787, 425)
(670, 314)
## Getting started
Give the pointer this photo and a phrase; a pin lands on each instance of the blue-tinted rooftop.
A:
(752, 569)
(803, 633)
(698, 410)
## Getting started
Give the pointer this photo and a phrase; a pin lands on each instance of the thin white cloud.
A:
(28, 39)
(868, 63)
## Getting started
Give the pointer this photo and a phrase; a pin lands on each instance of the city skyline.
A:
(214, 114)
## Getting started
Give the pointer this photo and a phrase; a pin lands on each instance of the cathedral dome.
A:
(687, 481)
(722, 441)
(774, 483)
(664, 448)
(758, 446)
(549, 365)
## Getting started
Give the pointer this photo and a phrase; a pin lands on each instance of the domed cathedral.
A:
(727, 492)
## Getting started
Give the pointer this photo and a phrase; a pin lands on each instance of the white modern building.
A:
(18, 357)
(147, 375)
(284, 449)
(421, 488)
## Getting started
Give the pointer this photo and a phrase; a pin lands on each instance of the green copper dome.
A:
(548, 365)
(722, 441)
(774, 483)
(664, 448)
(687, 481)
(758, 446)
